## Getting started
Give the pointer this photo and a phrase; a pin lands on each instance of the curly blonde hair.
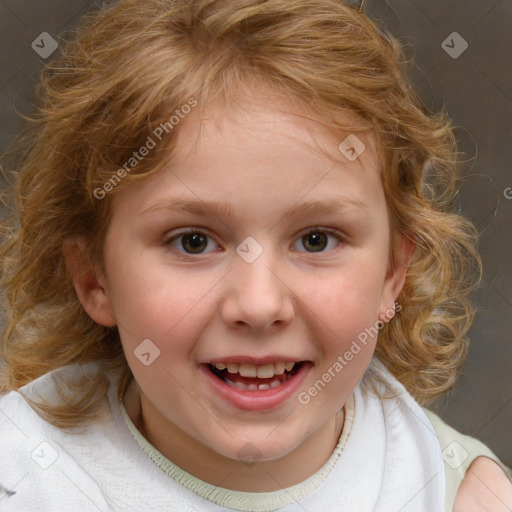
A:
(125, 70)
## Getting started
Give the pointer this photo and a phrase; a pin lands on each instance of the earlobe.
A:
(89, 283)
(395, 278)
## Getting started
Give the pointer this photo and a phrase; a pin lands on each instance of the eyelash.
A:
(328, 231)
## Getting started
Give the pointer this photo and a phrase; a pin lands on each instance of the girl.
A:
(236, 275)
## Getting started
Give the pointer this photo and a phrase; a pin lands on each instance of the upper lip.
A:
(257, 361)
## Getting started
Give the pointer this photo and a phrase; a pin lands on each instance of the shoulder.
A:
(485, 488)
(43, 467)
(16, 417)
(22, 428)
(23, 445)
(475, 478)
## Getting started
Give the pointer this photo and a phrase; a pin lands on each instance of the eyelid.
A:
(319, 229)
(314, 229)
(177, 233)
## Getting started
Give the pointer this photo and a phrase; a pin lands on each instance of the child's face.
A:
(304, 298)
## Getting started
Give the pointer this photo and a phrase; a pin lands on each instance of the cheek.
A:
(347, 305)
(346, 298)
(155, 302)
(350, 318)
(171, 315)
(350, 332)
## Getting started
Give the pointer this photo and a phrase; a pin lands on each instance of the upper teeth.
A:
(265, 371)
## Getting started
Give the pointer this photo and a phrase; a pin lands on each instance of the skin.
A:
(292, 302)
(484, 488)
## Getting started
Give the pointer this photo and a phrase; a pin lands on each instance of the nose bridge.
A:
(256, 296)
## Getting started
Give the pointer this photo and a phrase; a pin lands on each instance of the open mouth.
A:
(246, 377)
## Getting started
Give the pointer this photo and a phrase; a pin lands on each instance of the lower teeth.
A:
(255, 387)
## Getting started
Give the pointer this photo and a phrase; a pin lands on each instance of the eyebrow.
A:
(196, 206)
(222, 209)
(327, 207)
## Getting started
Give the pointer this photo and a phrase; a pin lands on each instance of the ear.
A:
(395, 278)
(89, 282)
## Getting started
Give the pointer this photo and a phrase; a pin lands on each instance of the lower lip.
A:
(260, 399)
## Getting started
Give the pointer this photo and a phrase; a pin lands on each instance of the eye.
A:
(191, 241)
(319, 240)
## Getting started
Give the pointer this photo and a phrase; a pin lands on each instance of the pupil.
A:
(194, 242)
(316, 241)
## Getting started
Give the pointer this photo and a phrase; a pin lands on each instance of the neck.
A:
(211, 467)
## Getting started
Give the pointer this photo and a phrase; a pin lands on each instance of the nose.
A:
(256, 295)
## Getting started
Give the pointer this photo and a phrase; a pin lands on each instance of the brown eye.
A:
(315, 242)
(194, 243)
(318, 240)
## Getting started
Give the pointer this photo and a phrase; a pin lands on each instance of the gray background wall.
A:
(475, 88)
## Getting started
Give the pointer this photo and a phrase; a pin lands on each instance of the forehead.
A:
(281, 127)
(263, 151)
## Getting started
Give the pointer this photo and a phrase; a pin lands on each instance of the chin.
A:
(254, 449)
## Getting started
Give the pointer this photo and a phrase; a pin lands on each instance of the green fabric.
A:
(459, 451)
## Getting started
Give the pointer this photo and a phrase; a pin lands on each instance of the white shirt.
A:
(388, 459)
